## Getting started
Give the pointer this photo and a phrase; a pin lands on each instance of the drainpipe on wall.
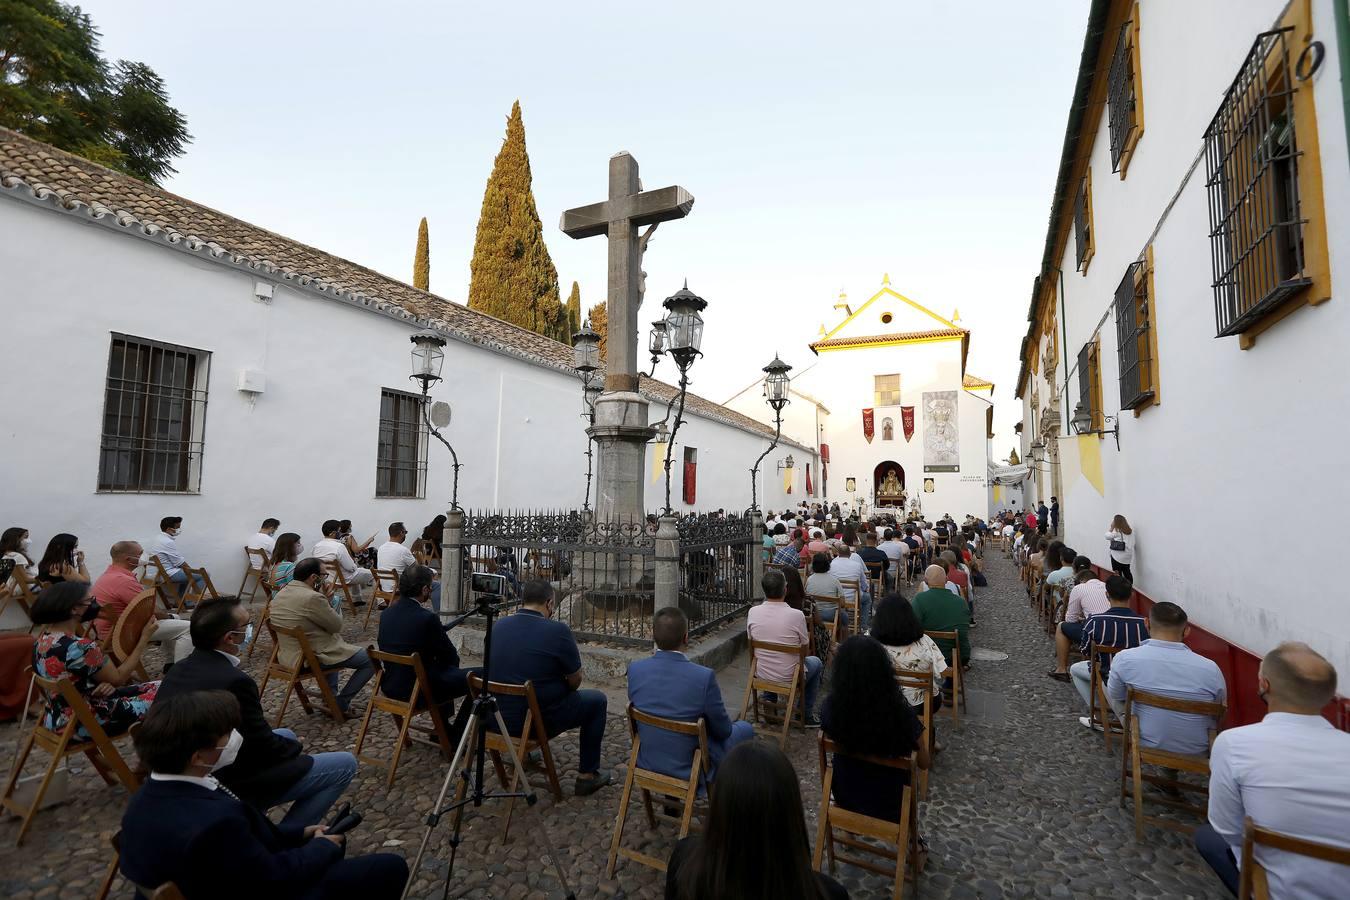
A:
(1064, 349)
(1342, 16)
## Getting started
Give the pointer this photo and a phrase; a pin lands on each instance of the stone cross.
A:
(627, 209)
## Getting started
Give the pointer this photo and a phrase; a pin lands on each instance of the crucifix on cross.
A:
(628, 209)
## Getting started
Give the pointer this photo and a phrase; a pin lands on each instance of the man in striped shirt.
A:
(790, 554)
(1119, 626)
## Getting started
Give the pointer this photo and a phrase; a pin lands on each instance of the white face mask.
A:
(230, 751)
(25, 545)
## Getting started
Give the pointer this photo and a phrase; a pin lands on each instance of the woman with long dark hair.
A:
(63, 561)
(14, 545)
(435, 532)
(897, 627)
(1120, 543)
(754, 844)
(867, 714)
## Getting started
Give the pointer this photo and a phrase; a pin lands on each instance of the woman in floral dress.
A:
(117, 702)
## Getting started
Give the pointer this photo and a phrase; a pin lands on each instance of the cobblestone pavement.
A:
(1022, 803)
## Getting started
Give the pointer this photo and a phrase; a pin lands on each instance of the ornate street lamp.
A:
(684, 336)
(586, 359)
(428, 356)
(586, 351)
(657, 343)
(1081, 423)
(776, 384)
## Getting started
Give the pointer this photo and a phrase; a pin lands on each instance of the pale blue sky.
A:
(825, 144)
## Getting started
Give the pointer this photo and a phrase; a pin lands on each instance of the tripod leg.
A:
(534, 820)
(461, 752)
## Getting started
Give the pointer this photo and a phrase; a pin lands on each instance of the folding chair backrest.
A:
(1135, 697)
(506, 689)
(127, 632)
(80, 711)
(385, 586)
(1253, 885)
(697, 729)
(306, 657)
(258, 559)
(383, 661)
(757, 648)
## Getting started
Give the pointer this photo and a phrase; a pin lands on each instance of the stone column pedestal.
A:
(452, 562)
(757, 555)
(667, 563)
(621, 432)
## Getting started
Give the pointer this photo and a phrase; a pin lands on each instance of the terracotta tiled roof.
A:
(33, 170)
(973, 381)
(894, 337)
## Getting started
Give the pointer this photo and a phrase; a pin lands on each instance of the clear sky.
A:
(825, 144)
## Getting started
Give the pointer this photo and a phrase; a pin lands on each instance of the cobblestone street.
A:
(1022, 802)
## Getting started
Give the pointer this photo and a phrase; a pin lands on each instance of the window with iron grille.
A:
(1251, 163)
(1090, 382)
(1082, 222)
(401, 464)
(1133, 322)
(154, 417)
(886, 390)
(1122, 97)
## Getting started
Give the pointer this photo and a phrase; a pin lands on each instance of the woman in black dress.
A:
(754, 844)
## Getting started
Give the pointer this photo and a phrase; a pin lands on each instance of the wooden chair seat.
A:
(100, 750)
(1135, 756)
(258, 568)
(532, 736)
(793, 708)
(837, 825)
(306, 668)
(420, 702)
(955, 696)
(685, 791)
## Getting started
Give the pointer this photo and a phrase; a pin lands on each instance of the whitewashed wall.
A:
(1245, 446)
(306, 449)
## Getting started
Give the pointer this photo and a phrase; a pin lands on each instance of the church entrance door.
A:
(888, 484)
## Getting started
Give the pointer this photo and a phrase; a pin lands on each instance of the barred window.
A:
(154, 417)
(1134, 323)
(1124, 109)
(1251, 162)
(886, 390)
(401, 464)
(1090, 382)
(1082, 222)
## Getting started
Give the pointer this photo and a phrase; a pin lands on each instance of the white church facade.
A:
(165, 359)
(897, 419)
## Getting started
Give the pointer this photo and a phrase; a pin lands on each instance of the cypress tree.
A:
(513, 277)
(422, 259)
(573, 311)
(600, 324)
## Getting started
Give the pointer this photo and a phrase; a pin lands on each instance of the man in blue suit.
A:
(184, 826)
(668, 685)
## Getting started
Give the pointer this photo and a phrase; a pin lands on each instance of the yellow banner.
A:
(1090, 461)
(787, 480)
(659, 462)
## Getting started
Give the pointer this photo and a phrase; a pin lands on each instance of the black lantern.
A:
(658, 342)
(776, 382)
(586, 350)
(1082, 419)
(684, 325)
(427, 358)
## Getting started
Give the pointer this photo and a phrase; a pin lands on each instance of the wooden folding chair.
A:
(306, 667)
(1099, 709)
(100, 750)
(955, 696)
(921, 680)
(259, 565)
(1135, 756)
(851, 603)
(1057, 607)
(794, 707)
(166, 891)
(877, 577)
(154, 575)
(427, 549)
(532, 736)
(1254, 884)
(841, 826)
(383, 588)
(20, 590)
(834, 626)
(126, 633)
(686, 791)
(420, 701)
(340, 583)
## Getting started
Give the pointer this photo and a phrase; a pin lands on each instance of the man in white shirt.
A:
(165, 546)
(850, 565)
(330, 548)
(265, 539)
(1289, 773)
(393, 555)
(896, 550)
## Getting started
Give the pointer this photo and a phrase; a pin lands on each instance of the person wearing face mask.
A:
(15, 545)
(187, 826)
(305, 603)
(272, 767)
(118, 586)
(117, 701)
(165, 546)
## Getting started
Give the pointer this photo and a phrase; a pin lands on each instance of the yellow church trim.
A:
(866, 344)
(887, 290)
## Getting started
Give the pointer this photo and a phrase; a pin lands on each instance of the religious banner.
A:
(941, 442)
(659, 461)
(868, 425)
(824, 453)
(810, 491)
(788, 477)
(690, 482)
(907, 421)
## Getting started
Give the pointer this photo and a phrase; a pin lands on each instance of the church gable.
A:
(885, 312)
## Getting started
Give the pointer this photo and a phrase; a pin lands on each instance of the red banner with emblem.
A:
(810, 491)
(907, 420)
(868, 429)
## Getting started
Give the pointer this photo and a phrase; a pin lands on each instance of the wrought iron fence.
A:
(603, 571)
(715, 566)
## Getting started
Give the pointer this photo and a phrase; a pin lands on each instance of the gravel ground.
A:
(1021, 804)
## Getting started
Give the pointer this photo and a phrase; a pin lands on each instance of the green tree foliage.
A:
(55, 86)
(513, 277)
(600, 324)
(573, 311)
(422, 259)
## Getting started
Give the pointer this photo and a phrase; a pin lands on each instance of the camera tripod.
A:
(468, 766)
